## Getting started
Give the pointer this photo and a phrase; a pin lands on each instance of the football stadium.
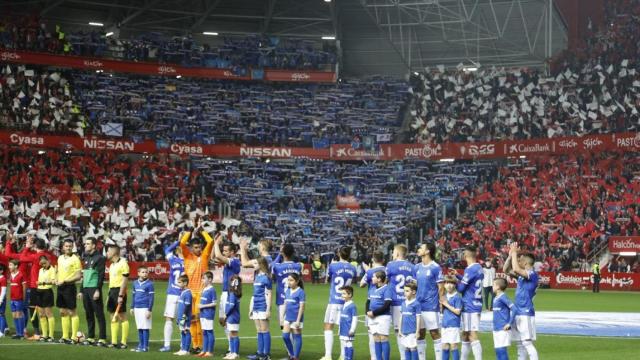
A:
(320, 179)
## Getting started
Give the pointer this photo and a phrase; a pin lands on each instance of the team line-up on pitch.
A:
(413, 300)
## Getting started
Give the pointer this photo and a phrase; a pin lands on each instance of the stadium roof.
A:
(375, 36)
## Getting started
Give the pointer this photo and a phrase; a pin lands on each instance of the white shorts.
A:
(524, 329)
(450, 336)
(281, 310)
(409, 341)
(223, 303)
(171, 306)
(233, 327)
(470, 321)
(430, 320)
(206, 324)
(380, 325)
(290, 324)
(348, 341)
(396, 315)
(259, 315)
(142, 323)
(332, 314)
(501, 339)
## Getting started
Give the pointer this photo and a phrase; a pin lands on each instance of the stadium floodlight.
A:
(523, 156)
(110, 33)
(210, 33)
(447, 160)
(178, 76)
(328, 37)
(92, 23)
(327, 1)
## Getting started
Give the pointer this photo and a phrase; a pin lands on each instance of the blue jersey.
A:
(292, 302)
(281, 272)
(340, 274)
(399, 272)
(379, 296)
(503, 313)
(428, 277)
(368, 278)
(142, 295)
(449, 319)
(470, 286)
(348, 320)
(183, 315)
(208, 297)
(525, 292)
(261, 284)
(176, 268)
(230, 269)
(410, 312)
(232, 309)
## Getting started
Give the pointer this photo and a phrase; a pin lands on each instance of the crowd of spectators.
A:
(32, 99)
(205, 111)
(127, 199)
(559, 208)
(239, 53)
(594, 90)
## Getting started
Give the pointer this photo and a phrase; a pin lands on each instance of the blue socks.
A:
(378, 347)
(145, 334)
(185, 344)
(208, 341)
(3, 322)
(386, 350)
(287, 342)
(456, 354)
(297, 342)
(411, 354)
(260, 344)
(19, 324)
(445, 354)
(235, 344)
(502, 354)
(266, 343)
(348, 353)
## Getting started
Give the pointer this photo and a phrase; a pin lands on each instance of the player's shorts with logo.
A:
(112, 301)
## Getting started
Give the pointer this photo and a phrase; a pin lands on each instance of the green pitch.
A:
(550, 347)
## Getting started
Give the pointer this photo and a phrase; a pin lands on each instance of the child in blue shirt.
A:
(208, 301)
(409, 325)
(184, 315)
(142, 307)
(294, 303)
(452, 303)
(503, 317)
(348, 322)
(231, 316)
(379, 313)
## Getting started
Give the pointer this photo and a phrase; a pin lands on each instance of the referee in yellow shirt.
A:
(117, 301)
(69, 272)
(46, 280)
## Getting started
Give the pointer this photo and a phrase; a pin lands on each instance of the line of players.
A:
(381, 311)
(418, 298)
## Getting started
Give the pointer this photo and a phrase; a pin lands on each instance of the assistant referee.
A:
(117, 301)
(69, 271)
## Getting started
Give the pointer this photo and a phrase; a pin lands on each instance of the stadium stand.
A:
(240, 53)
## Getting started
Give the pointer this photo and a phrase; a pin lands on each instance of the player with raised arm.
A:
(399, 272)
(225, 253)
(196, 262)
(260, 305)
(281, 268)
(340, 273)
(524, 331)
(428, 275)
(470, 287)
(173, 254)
(367, 281)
